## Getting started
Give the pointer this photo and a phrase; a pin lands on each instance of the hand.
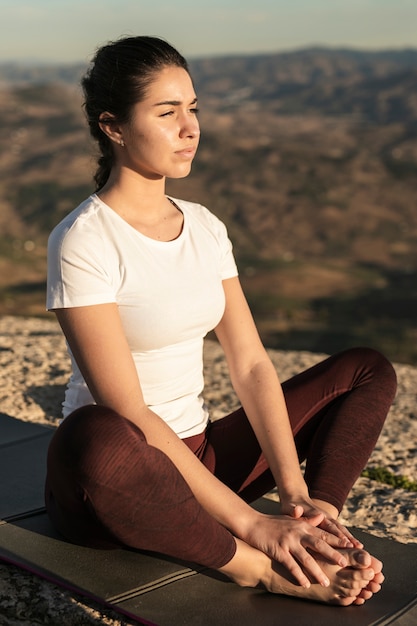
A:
(304, 506)
(290, 541)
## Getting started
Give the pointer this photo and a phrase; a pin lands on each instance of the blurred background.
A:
(308, 152)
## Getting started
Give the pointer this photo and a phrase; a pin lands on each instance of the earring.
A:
(122, 143)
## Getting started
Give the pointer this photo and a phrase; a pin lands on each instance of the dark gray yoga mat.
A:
(162, 591)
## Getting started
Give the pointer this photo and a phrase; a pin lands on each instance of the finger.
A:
(295, 570)
(356, 543)
(297, 511)
(351, 541)
(324, 545)
(346, 532)
(310, 566)
(336, 542)
(314, 520)
(335, 528)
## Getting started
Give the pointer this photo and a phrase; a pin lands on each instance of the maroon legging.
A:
(107, 487)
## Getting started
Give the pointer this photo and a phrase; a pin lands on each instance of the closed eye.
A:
(176, 103)
(194, 111)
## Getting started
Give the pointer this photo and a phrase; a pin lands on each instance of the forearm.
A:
(256, 383)
(215, 497)
(260, 393)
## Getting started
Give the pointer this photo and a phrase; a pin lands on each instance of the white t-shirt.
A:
(169, 295)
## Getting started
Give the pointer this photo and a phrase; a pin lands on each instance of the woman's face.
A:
(162, 136)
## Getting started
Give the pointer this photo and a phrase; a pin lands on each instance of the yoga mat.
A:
(161, 591)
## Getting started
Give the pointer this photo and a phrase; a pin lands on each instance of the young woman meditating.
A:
(136, 280)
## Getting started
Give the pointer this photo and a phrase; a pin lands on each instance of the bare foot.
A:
(353, 584)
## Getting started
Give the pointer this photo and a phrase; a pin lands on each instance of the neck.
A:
(125, 190)
(144, 205)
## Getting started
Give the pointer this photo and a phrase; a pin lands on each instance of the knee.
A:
(94, 421)
(375, 363)
(91, 432)
(91, 416)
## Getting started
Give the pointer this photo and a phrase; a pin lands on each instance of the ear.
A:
(110, 127)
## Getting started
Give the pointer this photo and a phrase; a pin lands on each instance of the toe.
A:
(359, 601)
(361, 558)
(365, 594)
(373, 587)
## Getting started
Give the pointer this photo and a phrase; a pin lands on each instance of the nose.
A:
(190, 126)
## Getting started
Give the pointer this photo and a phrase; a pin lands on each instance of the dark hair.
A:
(118, 78)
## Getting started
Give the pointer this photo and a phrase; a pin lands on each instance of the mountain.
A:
(309, 157)
(367, 85)
(21, 73)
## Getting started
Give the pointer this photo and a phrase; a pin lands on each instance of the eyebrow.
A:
(174, 103)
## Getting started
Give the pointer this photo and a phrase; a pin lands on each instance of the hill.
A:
(309, 157)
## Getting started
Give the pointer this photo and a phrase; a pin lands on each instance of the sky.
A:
(68, 31)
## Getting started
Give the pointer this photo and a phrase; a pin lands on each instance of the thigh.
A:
(309, 393)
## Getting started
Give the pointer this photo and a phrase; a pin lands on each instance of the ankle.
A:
(249, 567)
(330, 509)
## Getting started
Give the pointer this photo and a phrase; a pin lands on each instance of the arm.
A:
(107, 366)
(256, 383)
(106, 363)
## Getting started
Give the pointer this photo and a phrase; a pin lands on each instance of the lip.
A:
(187, 153)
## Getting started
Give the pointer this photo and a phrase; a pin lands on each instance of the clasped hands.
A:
(301, 530)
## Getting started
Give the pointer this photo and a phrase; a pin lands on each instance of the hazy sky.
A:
(70, 30)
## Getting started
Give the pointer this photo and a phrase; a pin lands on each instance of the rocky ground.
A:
(34, 370)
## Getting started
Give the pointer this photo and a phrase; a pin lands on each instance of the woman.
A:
(136, 280)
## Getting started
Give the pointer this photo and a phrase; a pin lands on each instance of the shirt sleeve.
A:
(78, 272)
(228, 267)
